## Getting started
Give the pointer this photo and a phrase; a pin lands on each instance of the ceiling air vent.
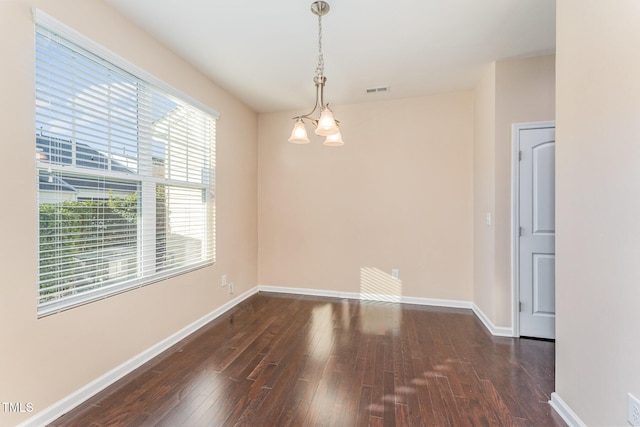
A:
(378, 89)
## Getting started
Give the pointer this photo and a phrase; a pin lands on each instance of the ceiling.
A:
(265, 53)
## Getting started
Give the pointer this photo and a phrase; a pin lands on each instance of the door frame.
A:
(515, 215)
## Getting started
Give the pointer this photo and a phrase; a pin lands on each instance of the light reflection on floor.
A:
(379, 318)
(378, 313)
(320, 336)
(401, 392)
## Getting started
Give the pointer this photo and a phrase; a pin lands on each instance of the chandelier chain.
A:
(325, 125)
(320, 66)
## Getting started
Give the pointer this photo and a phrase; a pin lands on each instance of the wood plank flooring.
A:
(282, 360)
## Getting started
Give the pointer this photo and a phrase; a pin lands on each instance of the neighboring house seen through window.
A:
(125, 173)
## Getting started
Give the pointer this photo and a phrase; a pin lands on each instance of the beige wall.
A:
(398, 194)
(484, 145)
(521, 90)
(598, 208)
(525, 92)
(44, 360)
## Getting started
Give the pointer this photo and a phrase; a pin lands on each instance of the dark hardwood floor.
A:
(282, 360)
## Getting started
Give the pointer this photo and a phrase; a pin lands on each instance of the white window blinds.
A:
(125, 173)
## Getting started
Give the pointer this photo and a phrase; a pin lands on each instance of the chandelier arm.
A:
(319, 97)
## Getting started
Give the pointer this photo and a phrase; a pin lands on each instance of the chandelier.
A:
(325, 125)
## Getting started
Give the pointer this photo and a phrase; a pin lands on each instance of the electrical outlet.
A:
(230, 288)
(224, 280)
(395, 273)
(633, 410)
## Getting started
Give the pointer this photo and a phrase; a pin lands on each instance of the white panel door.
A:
(537, 232)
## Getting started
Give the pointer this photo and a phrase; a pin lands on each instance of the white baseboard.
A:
(565, 411)
(309, 292)
(368, 296)
(448, 303)
(493, 329)
(498, 331)
(64, 405)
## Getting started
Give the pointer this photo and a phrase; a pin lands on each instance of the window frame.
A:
(44, 23)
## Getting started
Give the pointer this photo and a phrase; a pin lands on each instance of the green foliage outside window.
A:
(75, 235)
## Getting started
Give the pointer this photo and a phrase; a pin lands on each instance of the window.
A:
(125, 168)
